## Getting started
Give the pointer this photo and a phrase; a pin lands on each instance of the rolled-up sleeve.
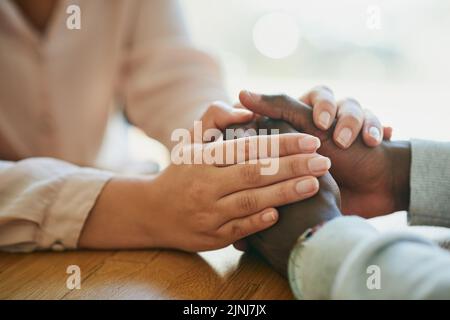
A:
(313, 266)
(349, 259)
(44, 203)
(430, 183)
(168, 82)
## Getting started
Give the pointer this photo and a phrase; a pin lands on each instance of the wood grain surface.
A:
(149, 274)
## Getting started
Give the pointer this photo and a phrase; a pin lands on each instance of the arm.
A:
(168, 83)
(51, 204)
(44, 203)
(430, 183)
(348, 259)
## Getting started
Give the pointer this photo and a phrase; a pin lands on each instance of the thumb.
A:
(281, 107)
(220, 115)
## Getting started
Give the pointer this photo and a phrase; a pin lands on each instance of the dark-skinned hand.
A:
(275, 243)
(372, 181)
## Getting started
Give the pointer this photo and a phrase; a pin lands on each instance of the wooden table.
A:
(151, 274)
(159, 274)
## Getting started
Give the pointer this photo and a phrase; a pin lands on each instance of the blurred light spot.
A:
(276, 35)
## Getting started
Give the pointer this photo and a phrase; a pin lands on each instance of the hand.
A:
(372, 181)
(220, 115)
(203, 206)
(347, 115)
(351, 119)
(276, 243)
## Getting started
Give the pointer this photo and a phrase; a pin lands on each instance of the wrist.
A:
(276, 243)
(399, 156)
(119, 217)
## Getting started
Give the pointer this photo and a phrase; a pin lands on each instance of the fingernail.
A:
(307, 186)
(319, 164)
(324, 119)
(344, 137)
(374, 132)
(253, 96)
(269, 216)
(309, 143)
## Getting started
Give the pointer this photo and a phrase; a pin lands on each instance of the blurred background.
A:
(392, 56)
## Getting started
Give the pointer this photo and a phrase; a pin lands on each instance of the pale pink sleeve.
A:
(168, 82)
(44, 203)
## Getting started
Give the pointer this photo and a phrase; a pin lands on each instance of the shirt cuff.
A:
(314, 264)
(67, 214)
(387, 257)
(430, 183)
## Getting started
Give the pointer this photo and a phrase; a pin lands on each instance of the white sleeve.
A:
(349, 259)
(44, 203)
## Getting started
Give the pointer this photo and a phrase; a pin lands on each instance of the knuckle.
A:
(217, 105)
(283, 97)
(250, 174)
(290, 114)
(295, 166)
(284, 146)
(237, 231)
(322, 87)
(370, 118)
(280, 101)
(283, 193)
(280, 97)
(212, 109)
(248, 202)
(353, 102)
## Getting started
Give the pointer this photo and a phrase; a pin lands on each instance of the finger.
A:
(247, 176)
(220, 115)
(237, 229)
(282, 107)
(240, 106)
(322, 101)
(387, 133)
(372, 130)
(247, 202)
(253, 147)
(350, 120)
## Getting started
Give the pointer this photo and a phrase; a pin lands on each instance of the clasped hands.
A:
(209, 205)
(369, 177)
